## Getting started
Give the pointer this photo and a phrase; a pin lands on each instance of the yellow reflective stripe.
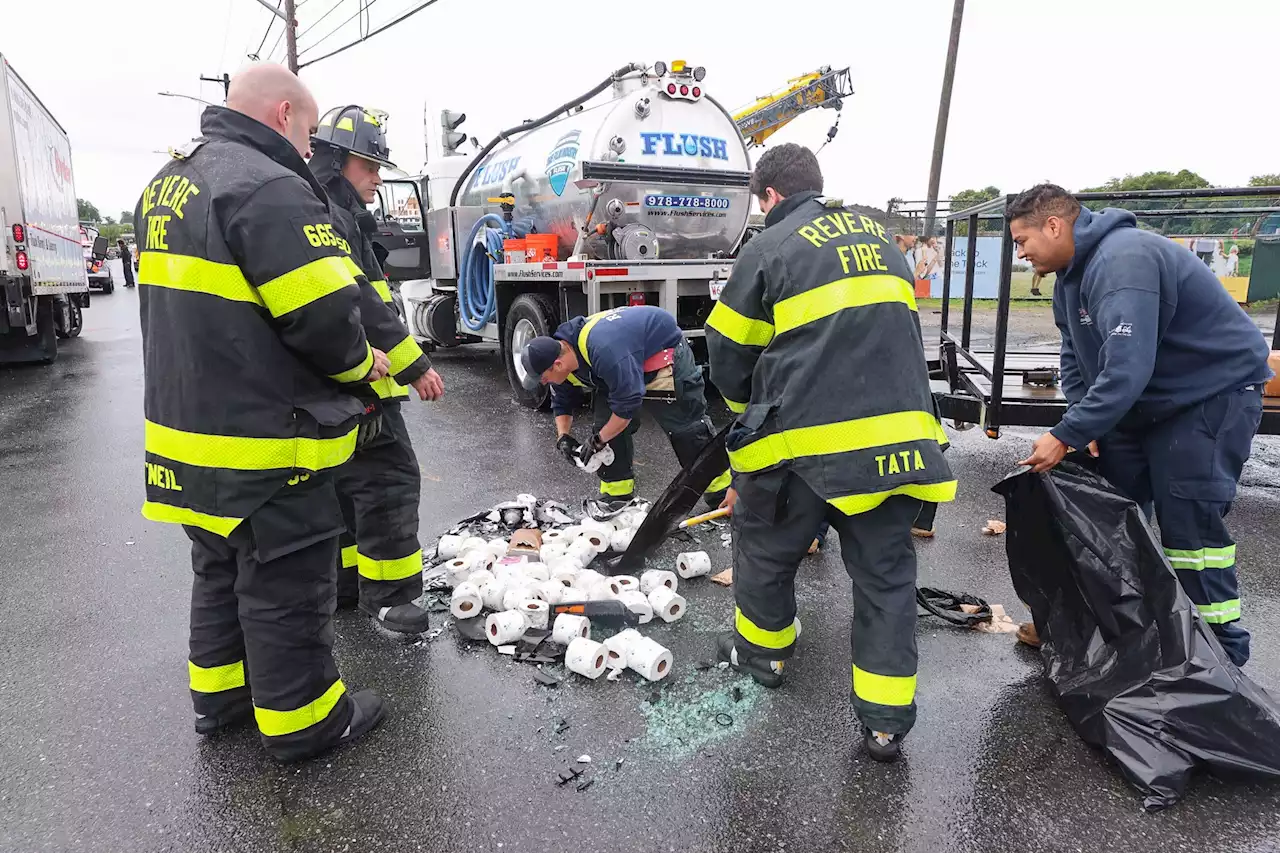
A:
(215, 679)
(345, 123)
(894, 690)
(388, 389)
(758, 636)
(196, 275)
(853, 292)
(309, 282)
(168, 514)
(738, 328)
(379, 285)
(349, 557)
(403, 354)
(389, 570)
(1202, 558)
(275, 723)
(720, 483)
(247, 454)
(1220, 612)
(586, 330)
(617, 488)
(574, 380)
(936, 493)
(360, 371)
(840, 437)
(734, 406)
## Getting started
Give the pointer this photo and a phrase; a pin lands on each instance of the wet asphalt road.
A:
(97, 751)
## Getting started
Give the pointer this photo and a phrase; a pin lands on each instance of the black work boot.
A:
(883, 746)
(232, 715)
(402, 618)
(367, 711)
(766, 672)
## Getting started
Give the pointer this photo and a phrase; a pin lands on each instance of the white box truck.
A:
(44, 284)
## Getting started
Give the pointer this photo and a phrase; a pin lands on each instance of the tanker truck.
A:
(634, 193)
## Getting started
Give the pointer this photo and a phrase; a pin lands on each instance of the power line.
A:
(271, 23)
(277, 44)
(360, 11)
(381, 29)
(333, 9)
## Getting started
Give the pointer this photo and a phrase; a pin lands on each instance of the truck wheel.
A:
(46, 331)
(108, 286)
(531, 316)
(75, 319)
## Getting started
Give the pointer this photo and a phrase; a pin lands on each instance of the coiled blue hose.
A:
(477, 298)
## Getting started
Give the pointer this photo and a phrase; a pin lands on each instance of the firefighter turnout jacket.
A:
(250, 327)
(816, 344)
(353, 224)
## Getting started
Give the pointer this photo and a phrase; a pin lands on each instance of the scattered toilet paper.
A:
(622, 538)
(449, 547)
(650, 659)
(666, 605)
(515, 596)
(617, 647)
(498, 548)
(536, 612)
(654, 578)
(551, 591)
(585, 657)
(569, 626)
(492, 593)
(480, 578)
(537, 571)
(693, 564)
(638, 604)
(505, 627)
(466, 603)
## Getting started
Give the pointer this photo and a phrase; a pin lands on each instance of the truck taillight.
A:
(19, 234)
(684, 90)
(21, 259)
(635, 298)
(697, 93)
(671, 88)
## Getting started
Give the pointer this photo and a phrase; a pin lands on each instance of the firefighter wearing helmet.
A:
(380, 562)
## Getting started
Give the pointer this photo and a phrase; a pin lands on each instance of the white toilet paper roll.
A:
(601, 590)
(625, 520)
(472, 543)
(588, 578)
(480, 558)
(564, 573)
(571, 533)
(617, 647)
(555, 537)
(537, 571)
(552, 591)
(796, 622)
(509, 571)
(667, 606)
(449, 547)
(505, 627)
(480, 578)
(584, 549)
(622, 539)
(654, 578)
(573, 593)
(586, 657)
(536, 612)
(597, 539)
(515, 596)
(459, 569)
(498, 548)
(492, 593)
(466, 602)
(638, 604)
(549, 554)
(627, 581)
(649, 659)
(693, 564)
(568, 627)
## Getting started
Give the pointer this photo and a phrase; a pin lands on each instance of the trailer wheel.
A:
(531, 315)
(75, 319)
(46, 341)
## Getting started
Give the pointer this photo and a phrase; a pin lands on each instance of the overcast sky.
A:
(1075, 92)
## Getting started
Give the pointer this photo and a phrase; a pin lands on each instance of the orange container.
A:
(513, 251)
(541, 247)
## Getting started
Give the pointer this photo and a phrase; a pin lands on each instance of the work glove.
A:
(593, 455)
(370, 425)
(568, 446)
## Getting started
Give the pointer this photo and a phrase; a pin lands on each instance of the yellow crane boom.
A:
(822, 88)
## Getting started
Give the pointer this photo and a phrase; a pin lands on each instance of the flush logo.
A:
(685, 145)
(561, 160)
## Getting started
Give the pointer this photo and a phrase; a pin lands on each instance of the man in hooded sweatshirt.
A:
(1163, 374)
(379, 488)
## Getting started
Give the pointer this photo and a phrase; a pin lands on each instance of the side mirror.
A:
(99, 248)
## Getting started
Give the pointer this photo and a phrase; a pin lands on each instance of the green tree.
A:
(87, 211)
(110, 220)
(1265, 181)
(1183, 180)
(966, 199)
(126, 217)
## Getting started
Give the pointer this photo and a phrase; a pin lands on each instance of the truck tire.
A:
(530, 316)
(46, 341)
(108, 286)
(75, 319)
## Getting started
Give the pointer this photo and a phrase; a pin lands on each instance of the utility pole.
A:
(944, 110)
(225, 80)
(291, 35)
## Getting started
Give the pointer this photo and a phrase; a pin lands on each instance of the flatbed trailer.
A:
(1028, 392)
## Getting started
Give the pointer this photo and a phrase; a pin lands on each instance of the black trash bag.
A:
(674, 505)
(1134, 666)
(946, 606)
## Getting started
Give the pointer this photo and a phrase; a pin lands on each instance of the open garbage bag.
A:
(1132, 664)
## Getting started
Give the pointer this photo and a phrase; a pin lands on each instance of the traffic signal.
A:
(451, 139)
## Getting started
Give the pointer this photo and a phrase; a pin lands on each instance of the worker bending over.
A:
(1163, 374)
(628, 356)
(251, 341)
(816, 344)
(380, 486)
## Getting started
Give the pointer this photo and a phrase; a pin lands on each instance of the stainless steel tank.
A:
(635, 122)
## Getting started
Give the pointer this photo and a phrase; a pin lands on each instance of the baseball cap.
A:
(536, 357)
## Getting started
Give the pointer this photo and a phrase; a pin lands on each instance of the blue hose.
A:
(477, 298)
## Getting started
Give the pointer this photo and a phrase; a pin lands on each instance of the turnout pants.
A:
(773, 524)
(684, 420)
(262, 606)
(1188, 467)
(378, 488)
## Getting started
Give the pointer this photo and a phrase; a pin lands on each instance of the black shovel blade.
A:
(674, 505)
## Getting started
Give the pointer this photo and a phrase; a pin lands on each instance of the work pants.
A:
(773, 524)
(684, 420)
(1187, 467)
(379, 488)
(262, 606)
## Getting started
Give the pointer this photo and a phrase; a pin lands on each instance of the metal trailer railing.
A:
(974, 387)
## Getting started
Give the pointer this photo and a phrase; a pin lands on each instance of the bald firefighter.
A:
(815, 343)
(380, 559)
(252, 345)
